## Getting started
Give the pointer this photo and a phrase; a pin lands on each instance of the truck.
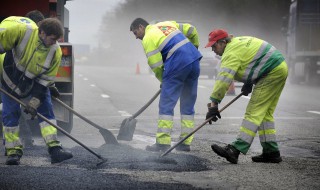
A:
(64, 80)
(303, 42)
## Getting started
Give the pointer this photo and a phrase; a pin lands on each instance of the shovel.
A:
(106, 134)
(195, 130)
(128, 125)
(58, 128)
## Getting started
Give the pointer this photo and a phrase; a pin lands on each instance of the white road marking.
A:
(316, 112)
(85, 79)
(93, 85)
(199, 86)
(145, 138)
(80, 75)
(124, 113)
(105, 96)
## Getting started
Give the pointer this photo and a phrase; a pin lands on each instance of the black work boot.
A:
(158, 147)
(271, 157)
(58, 154)
(228, 152)
(183, 147)
(14, 159)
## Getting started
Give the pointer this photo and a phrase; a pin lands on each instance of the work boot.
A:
(14, 159)
(183, 147)
(58, 154)
(228, 152)
(272, 157)
(158, 147)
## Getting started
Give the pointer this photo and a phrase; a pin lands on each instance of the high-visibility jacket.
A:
(189, 31)
(245, 59)
(165, 43)
(27, 62)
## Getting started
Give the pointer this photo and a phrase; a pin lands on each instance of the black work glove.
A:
(213, 112)
(54, 91)
(246, 89)
(32, 106)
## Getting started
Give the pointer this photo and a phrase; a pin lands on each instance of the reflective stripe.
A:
(158, 64)
(267, 132)
(224, 79)
(166, 117)
(178, 45)
(49, 58)
(43, 82)
(48, 132)
(14, 129)
(190, 31)
(45, 124)
(13, 144)
(181, 27)
(262, 62)
(11, 136)
(186, 130)
(248, 131)
(29, 75)
(187, 117)
(171, 35)
(268, 138)
(2, 29)
(50, 138)
(19, 49)
(10, 83)
(227, 70)
(164, 130)
(151, 53)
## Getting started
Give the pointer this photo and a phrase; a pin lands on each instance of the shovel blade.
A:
(127, 128)
(108, 136)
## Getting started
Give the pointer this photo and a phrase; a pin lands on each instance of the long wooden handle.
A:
(195, 130)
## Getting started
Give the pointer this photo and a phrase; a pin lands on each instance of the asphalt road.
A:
(109, 94)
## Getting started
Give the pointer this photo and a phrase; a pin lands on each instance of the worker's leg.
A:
(49, 133)
(262, 99)
(10, 119)
(187, 102)
(267, 132)
(170, 93)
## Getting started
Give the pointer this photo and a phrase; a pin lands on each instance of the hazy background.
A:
(104, 24)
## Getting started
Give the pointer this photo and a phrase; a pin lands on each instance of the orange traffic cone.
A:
(137, 69)
(231, 90)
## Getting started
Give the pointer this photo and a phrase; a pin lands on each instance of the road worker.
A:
(30, 64)
(256, 63)
(173, 56)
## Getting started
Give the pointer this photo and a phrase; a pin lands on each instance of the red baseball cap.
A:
(216, 35)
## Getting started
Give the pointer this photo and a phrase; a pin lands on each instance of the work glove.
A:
(213, 112)
(246, 89)
(32, 106)
(54, 91)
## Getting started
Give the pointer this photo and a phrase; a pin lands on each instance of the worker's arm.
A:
(46, 79)
(10, 36)
(190, 32)
(150, 44)
(229, 66)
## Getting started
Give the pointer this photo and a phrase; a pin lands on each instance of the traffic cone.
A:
(137, 69)
(231, 90)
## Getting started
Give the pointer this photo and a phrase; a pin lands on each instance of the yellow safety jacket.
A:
(165, 43)
(27, 58)
(245, 59)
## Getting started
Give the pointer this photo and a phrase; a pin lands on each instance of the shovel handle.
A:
(146, 105)
(54, 125)
(76, 113)
(195, 130)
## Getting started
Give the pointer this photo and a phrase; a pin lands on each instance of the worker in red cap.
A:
(256, 63)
